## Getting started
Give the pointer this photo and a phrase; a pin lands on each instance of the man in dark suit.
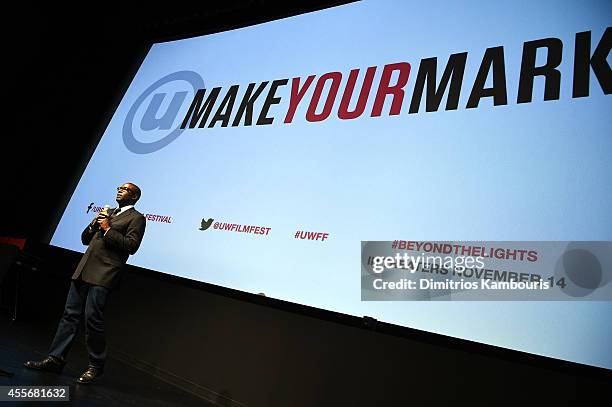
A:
(111, 238)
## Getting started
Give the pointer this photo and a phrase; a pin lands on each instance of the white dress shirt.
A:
(121, 210)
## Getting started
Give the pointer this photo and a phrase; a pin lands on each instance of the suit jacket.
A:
(108, 253)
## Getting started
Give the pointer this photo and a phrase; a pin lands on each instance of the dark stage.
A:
(122, 385)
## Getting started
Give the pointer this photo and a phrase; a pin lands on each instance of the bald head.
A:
(136, 191)
(128, 194)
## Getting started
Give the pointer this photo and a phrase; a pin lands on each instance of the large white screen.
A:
(540, 170)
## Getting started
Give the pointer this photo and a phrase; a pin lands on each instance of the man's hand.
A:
(103, 223)
(95, 221)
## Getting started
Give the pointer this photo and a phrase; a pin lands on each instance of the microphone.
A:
(105, 210)
(103, 213)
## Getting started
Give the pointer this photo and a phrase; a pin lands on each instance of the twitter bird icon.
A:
(206, 223)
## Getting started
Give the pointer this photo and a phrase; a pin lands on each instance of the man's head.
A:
(128, 194)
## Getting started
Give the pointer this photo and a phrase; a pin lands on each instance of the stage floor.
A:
(121, 385)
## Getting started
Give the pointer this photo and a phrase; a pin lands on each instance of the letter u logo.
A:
(150, 121)
(153, 119)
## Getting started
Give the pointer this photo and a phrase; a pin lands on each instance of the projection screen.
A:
(267, 154)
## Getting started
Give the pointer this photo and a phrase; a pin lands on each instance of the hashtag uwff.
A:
(305, 235)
